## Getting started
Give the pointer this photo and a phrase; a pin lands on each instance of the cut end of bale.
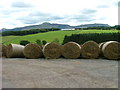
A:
(9, 51)
(100, 46)
(52, 50)
(33, 51)
(90, 49)
(71, 50)
(4, 48)
(0, 50)
(111, 50)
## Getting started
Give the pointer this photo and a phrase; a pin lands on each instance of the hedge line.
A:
(97, 37)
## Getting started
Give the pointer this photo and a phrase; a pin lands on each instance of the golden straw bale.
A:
(71, 50)
(52, 50)
(111, 50)
(0, 50)
(33, 51)
(4, 48)
(90, 49)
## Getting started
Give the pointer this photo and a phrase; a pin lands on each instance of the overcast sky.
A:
(18, 13)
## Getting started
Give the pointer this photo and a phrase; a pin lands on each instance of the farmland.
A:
(50, 36)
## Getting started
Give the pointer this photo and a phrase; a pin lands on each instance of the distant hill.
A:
(52, 25)
(92, 25)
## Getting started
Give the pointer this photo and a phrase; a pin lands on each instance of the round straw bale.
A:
(33, 51)
(0, 50)
(71, 50)
(52, 50)
(14, 50)
(4, 48)
(42, 46)
(0, 47)
(111, 50)
(90, 49)
(0, 54)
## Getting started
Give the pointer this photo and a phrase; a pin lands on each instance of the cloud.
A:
(38, 13)
(45, 15)
(57, 18)
(20, 4)
(11, 11)
(16, 13)
(82, 18)
(89, 11)
(29, 20)
(103, 6)
(38, 17)
(85, 15)
(103, 18)
(34, 17)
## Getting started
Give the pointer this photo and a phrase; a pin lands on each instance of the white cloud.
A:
(17, 13)
(20, 4)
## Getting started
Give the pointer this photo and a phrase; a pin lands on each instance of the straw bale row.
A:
(70, 50)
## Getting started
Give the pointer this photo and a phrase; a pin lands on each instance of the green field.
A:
(50, 36)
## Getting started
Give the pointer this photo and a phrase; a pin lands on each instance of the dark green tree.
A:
(97, 37)
(38, 42)
(44, 42)
(117, 27)
(24, 42)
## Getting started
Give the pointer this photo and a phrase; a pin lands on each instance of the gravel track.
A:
(59, 73)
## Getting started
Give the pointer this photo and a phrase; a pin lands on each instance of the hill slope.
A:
(50, 36)
(92, 25)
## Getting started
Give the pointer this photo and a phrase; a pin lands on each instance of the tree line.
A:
(97, 37)
(27, 32)
(38, 41)
(117, 27)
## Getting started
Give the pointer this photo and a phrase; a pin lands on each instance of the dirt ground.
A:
(59, 73)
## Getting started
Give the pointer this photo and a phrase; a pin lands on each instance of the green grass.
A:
(50, 36)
